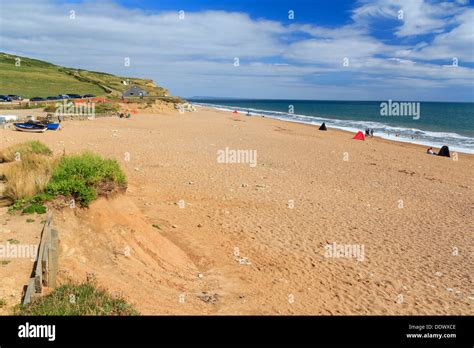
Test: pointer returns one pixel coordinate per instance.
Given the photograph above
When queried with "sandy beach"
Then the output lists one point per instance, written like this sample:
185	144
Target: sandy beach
255	237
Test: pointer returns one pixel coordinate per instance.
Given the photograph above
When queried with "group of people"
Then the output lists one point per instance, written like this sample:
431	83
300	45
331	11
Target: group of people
369	131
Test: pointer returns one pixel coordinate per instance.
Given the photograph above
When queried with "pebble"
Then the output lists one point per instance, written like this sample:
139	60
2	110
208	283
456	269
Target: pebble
199	225
174	226
200	275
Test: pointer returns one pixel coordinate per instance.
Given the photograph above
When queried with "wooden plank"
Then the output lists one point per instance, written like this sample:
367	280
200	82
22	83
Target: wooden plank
30	290
38	272
45	264
53	258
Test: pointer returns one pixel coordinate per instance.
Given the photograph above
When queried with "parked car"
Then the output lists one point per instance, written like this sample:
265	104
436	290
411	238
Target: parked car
88	96
5	98
35	99
52	98
74	96
15	97
63	96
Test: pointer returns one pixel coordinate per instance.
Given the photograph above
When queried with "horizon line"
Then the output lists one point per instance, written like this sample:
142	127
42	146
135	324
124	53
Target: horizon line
331	100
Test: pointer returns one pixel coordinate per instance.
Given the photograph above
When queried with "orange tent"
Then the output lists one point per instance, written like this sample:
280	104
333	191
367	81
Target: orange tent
359	136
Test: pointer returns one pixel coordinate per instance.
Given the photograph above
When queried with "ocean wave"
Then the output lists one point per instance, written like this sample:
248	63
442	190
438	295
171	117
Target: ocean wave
456	142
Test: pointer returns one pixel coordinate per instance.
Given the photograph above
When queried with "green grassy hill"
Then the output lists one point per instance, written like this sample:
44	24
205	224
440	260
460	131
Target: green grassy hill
36	78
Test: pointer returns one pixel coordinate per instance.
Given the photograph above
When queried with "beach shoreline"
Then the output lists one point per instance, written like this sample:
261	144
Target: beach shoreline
241	239
389	132
392	140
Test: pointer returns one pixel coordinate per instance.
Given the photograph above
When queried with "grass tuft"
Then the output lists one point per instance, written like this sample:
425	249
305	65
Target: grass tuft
29	176
78	299
10	154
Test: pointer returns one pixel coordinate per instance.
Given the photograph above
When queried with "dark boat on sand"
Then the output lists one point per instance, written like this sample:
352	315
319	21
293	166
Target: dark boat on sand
31	127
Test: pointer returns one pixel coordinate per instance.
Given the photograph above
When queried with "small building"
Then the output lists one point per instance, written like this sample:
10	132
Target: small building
135	91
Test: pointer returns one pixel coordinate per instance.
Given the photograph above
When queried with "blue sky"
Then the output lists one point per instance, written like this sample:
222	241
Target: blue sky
335	12
339	49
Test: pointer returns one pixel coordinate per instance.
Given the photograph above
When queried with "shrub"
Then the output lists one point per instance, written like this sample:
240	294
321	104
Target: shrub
85	176
106	108
50	108
34	208
88	300
26	148
32	205
37	177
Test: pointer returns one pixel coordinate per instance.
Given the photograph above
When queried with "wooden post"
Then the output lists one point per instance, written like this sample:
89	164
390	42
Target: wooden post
46	268
44	263
45	237
53	258
30	290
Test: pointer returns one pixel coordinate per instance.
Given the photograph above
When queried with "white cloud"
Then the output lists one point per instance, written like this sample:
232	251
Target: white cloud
457	43
195	55
418	17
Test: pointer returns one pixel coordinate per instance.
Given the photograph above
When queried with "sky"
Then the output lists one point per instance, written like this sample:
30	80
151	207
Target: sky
420	50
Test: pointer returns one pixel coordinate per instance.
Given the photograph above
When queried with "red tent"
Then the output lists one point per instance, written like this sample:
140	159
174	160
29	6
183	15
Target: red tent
359	136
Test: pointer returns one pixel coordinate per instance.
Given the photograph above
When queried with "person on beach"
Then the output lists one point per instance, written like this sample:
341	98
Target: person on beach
371	132
430	151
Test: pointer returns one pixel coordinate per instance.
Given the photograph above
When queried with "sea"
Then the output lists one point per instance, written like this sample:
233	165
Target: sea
435	124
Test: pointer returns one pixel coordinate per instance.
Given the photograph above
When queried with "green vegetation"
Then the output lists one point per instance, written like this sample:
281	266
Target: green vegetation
106	108
24	149
156	226
13	241
36	78
50	108
38	177
4	263
78	299
3	303
37	208
32	205
30	220
85	176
